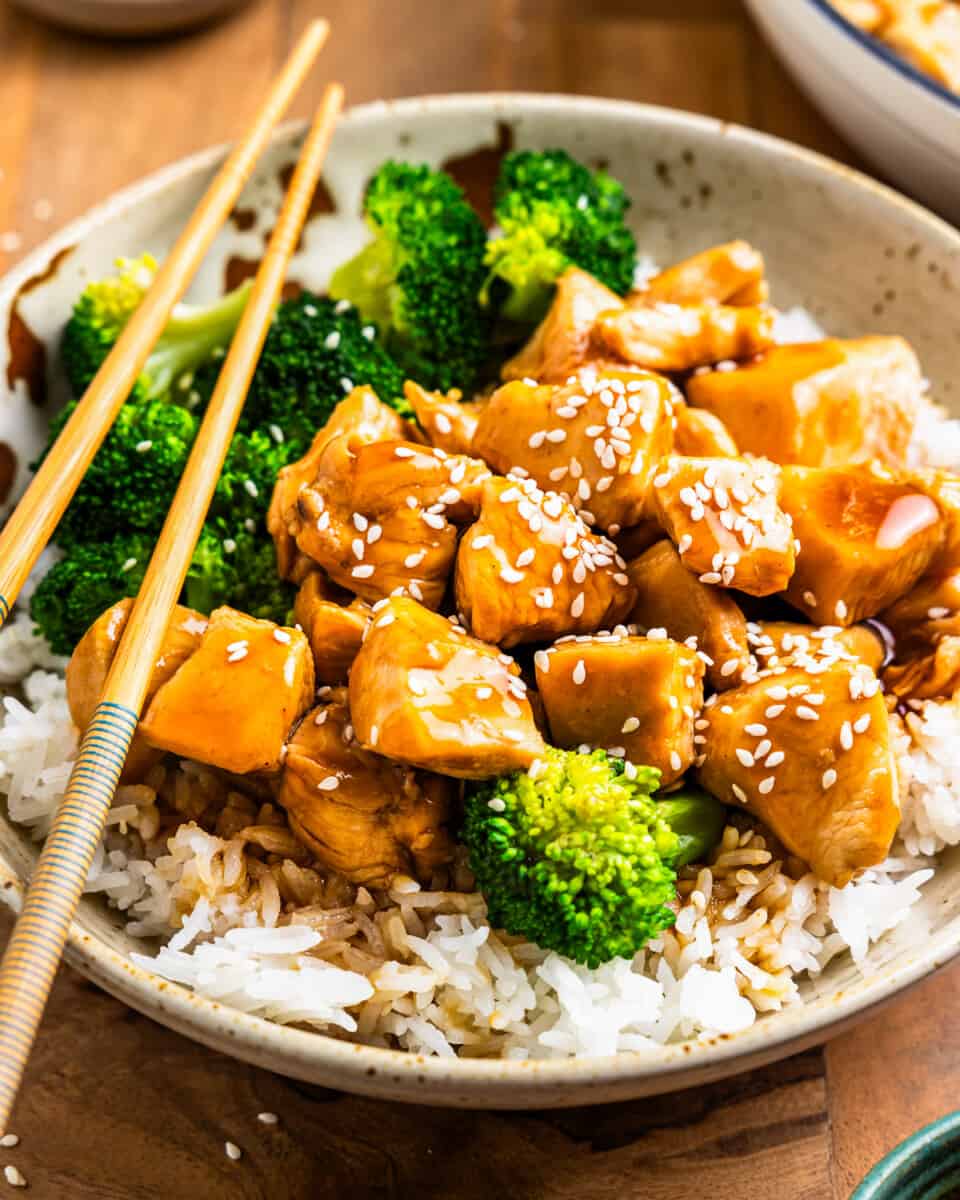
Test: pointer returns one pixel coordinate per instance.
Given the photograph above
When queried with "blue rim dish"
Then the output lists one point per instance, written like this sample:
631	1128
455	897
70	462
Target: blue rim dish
890	57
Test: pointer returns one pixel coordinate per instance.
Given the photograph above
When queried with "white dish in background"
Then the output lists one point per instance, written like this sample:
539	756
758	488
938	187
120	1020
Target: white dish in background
899	118
128	18
859	257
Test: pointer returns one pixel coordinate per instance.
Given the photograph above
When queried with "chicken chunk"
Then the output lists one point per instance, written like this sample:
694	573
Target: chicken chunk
865	538
943	487
360	814
638	539
928	35
809	753
672	598
334	624
562	342
725	518
700	434
729	274
928	612
233	702
635	696
359	419
93	657
823	404
530	570
424	692
382	516
597	440
934	675
448	421
783	643
675	337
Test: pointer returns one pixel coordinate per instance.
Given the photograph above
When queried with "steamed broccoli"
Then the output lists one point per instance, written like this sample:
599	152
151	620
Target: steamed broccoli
193	333
420	277
87	581
240	571
315	352
553	212
578	858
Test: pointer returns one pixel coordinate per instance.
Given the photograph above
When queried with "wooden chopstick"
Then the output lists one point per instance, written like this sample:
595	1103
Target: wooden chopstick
35	518
33	953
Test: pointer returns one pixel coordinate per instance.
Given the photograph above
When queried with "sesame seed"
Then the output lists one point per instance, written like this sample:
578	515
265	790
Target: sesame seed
745	757
526	557
403	452
763	748
739	793
282	636
766	786
810	599
230	545
363	572
711	577
128	564
630	725
862	724
774	759
13	1176
359	547
778	692
576	608
541	661
846	736
543	598
144	446
509	575
331	783
807	714
9	1140
676	762
434	520
268	1118
579	672
756	730
840	611
774	711
233	1151
321	717
828	779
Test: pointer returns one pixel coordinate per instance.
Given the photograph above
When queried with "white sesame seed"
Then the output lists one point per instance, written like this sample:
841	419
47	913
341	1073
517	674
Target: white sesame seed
363	572
331	783
766	786
778	692
840	610
756	730
403	452
332	340
807	714
9	1140
676	762
711	577
846	736
268	1118
233	1151
762	749
577	606
774	711
745	757
509	575
526	557
774	759
144	446
809	599
862	724
541	661
738	791
230	545
630	725
828	779
282	636
128	564
579	672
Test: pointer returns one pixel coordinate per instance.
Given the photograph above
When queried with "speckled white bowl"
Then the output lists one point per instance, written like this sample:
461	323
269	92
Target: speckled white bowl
860	257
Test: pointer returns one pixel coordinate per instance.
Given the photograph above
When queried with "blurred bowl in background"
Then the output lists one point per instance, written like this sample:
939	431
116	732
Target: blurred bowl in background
902	120
924	1167
128	18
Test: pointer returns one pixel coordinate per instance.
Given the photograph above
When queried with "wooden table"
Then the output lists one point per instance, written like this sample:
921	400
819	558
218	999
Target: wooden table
114	1105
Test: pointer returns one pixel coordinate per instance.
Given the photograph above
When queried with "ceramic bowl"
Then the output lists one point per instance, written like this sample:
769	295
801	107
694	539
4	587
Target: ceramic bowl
924	1167
899	118
128	18
860	257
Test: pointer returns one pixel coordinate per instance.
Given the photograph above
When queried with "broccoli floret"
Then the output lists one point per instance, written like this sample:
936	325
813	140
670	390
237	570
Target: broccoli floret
577	858
420	277
192	333
553	212
316	351
87	581
240	571
131	481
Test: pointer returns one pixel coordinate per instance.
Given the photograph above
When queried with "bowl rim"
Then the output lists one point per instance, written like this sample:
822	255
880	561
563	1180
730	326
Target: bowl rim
494	1083
886	54
887	1177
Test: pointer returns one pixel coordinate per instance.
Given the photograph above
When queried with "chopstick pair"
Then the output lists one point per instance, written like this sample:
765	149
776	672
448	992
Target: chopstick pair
33	953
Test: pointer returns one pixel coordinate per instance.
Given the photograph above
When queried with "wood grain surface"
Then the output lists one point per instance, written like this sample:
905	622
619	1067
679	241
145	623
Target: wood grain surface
117	1107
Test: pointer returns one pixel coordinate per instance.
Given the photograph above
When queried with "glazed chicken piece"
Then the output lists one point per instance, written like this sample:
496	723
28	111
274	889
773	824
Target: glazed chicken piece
934	675
808	752
360	814
447	420
869	15
725	518
635	696
359	419
206	711
679	337
700	434
729	274
672	598
823	404
530	570
865	539
597	440
943	487
928	612
927	34
93	657
637	539
378	516
334	624
562	342
424	692
783	643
